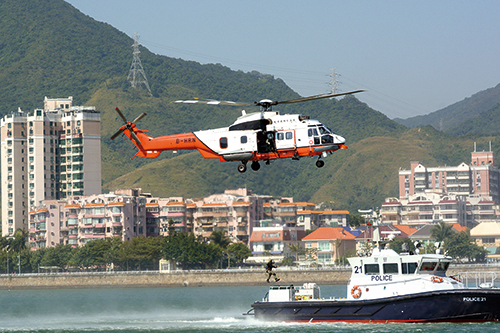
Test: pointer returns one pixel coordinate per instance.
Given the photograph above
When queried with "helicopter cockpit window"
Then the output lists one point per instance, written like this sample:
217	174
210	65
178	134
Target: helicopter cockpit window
223	143
327	138
244	139
324	130
289	135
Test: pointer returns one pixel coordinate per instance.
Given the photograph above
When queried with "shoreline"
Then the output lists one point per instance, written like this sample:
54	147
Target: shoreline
195	278
234	277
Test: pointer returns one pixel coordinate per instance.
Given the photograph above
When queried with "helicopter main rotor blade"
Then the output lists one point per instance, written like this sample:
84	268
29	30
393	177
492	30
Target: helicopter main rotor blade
211	102
135	137
311	98
121	115
142	115
120	131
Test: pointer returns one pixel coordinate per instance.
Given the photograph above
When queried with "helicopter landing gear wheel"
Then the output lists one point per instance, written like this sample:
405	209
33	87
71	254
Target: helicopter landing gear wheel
255	166
242	167
320	163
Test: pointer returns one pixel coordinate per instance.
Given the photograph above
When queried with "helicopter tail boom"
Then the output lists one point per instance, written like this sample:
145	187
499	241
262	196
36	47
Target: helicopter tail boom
151	147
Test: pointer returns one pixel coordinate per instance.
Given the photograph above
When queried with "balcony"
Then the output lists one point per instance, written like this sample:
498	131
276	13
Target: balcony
213	214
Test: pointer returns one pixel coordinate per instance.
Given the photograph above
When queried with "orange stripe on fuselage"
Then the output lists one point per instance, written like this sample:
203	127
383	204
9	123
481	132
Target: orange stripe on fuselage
289	153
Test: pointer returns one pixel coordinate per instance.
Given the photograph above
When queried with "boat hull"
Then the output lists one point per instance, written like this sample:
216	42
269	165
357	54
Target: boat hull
464	305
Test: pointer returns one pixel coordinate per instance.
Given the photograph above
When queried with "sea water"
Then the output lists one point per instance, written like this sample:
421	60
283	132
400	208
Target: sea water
187	309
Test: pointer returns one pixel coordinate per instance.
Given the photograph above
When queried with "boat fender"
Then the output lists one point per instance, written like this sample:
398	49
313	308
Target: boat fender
455	278
356	292
436	279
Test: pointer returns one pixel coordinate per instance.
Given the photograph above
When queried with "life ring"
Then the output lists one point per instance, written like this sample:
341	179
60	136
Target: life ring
311	142
356	292
436	279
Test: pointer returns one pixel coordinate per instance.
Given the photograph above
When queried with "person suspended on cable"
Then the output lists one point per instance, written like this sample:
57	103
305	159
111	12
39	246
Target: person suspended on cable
269	270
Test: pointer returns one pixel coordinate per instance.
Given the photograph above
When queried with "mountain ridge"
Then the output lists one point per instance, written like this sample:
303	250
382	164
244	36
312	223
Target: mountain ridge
458	112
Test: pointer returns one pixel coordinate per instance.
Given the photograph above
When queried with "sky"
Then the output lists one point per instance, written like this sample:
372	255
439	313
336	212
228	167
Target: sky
411	57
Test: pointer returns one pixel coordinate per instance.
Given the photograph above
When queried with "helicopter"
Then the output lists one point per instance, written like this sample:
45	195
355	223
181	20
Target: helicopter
254	137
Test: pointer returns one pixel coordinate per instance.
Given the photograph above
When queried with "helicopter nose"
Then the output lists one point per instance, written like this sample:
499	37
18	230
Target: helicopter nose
338	139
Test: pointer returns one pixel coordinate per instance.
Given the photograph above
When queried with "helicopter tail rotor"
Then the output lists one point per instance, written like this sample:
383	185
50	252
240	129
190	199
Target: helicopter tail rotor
128	126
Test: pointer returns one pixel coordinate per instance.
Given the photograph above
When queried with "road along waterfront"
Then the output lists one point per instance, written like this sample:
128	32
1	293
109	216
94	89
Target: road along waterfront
195	278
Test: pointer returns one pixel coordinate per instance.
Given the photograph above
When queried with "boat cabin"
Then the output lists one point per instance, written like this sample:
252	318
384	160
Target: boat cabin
387	273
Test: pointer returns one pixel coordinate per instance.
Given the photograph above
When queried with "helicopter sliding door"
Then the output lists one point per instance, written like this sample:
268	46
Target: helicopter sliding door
285	139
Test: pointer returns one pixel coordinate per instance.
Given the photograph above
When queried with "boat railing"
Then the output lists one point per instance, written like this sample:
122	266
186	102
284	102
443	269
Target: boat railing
477	279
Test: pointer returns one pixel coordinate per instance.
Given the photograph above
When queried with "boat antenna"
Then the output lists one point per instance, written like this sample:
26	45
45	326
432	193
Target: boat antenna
373	218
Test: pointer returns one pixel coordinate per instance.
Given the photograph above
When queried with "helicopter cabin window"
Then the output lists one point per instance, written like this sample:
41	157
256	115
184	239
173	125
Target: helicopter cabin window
391	268
372	269
280	136
312	132
244	139
408	267
223	143
289	135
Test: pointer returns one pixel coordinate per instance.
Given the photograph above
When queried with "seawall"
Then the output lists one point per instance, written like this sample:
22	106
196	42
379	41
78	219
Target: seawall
196	278
169	279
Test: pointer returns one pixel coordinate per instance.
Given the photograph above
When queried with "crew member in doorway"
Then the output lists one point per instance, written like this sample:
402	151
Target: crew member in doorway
269	270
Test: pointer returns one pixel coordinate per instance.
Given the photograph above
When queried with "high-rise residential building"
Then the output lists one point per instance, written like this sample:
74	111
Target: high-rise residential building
47	154
466	194
479	178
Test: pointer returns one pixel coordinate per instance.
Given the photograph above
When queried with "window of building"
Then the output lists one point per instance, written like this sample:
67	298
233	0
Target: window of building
324	246
488	240
325	257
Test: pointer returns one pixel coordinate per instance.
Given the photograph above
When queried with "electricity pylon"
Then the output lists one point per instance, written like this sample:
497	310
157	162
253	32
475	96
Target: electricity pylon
136	75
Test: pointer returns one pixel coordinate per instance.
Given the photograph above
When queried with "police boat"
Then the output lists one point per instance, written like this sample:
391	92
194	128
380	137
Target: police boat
387	286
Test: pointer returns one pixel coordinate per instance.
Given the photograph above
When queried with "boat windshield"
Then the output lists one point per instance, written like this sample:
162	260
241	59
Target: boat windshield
428	266
442	266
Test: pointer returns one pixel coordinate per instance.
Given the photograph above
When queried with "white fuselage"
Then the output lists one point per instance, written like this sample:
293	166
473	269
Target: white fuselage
290	131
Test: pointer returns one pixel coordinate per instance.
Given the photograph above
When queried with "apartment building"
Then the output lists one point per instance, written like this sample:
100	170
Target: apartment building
271	240
78	220
47	154
480	178
303	214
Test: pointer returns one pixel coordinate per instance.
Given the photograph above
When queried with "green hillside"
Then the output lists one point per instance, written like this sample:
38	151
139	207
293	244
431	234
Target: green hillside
459	112
486	123
48	48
